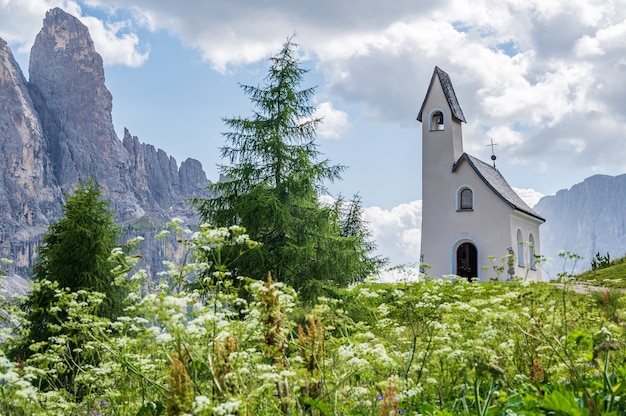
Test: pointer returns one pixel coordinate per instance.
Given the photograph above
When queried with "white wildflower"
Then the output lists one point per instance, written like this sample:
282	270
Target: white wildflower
201	404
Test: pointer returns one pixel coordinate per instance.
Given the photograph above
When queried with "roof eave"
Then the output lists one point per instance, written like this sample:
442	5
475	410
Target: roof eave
453	103
465	157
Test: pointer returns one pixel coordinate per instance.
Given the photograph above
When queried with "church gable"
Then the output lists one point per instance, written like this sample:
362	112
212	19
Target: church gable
448	90
496	182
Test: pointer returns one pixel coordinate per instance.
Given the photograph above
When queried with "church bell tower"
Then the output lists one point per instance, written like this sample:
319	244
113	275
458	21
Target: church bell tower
442	145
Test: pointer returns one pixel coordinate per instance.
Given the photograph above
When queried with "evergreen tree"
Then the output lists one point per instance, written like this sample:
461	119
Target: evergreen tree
353	226
75	255
273	180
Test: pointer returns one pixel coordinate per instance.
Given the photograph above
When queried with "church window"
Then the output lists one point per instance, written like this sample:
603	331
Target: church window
467	199
437	121
531	252
520	249
464	198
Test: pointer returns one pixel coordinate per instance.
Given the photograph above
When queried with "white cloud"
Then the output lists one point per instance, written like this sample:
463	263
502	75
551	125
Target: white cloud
114	43
608	39
533	74
221	31
334	122
326	200
588	46
397	232
557	93
530	196
399	274
20	21
575	144
397	235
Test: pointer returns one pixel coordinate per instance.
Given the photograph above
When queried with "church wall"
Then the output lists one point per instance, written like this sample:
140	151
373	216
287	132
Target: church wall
489	220
487	226
527	225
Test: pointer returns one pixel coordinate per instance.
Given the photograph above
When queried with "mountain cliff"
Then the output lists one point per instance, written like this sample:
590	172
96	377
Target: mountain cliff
588	218
56	129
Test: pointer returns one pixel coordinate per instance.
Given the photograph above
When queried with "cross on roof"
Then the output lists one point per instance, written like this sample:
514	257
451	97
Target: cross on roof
493	155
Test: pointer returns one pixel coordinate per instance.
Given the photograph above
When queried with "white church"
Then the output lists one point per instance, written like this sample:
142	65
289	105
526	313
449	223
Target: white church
469	211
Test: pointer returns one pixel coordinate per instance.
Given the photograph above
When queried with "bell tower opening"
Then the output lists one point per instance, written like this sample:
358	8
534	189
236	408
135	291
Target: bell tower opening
437	121
467	261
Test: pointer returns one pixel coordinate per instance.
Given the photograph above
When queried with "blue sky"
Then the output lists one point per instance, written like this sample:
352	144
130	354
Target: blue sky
544	80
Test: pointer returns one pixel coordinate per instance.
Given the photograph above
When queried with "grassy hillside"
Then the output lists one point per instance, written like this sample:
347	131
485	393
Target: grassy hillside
613	276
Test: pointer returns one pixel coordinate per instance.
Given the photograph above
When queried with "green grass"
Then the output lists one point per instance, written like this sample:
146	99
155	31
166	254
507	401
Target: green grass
613	276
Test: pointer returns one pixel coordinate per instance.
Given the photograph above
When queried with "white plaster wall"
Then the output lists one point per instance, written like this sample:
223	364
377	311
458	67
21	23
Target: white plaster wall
487	226
527	225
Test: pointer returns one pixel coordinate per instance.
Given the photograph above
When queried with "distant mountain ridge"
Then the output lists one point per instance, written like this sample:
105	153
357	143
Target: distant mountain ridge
56	129
588	218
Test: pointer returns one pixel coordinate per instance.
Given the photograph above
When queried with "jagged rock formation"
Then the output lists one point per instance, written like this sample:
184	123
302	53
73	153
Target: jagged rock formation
588	218
28	196
56	129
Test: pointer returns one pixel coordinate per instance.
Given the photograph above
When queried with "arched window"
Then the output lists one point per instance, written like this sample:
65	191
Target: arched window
466	199
520	249
437	121
531	252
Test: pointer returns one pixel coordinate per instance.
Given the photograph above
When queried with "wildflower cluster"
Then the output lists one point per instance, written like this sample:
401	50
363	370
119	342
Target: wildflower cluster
205	341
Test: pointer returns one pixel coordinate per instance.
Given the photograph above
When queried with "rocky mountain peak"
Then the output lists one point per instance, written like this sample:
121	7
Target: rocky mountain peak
64	60
57	130
68	90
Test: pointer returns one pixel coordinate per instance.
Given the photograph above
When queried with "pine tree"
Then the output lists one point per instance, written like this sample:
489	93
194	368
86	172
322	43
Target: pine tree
75	255
273	181
353	226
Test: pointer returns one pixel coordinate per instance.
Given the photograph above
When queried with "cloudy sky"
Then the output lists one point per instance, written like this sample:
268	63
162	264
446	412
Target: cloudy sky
546	80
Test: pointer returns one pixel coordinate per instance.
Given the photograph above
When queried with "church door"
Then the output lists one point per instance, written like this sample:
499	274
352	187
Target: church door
467	261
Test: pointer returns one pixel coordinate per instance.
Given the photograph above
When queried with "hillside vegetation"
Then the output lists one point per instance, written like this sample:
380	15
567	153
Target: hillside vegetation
196	344
612	275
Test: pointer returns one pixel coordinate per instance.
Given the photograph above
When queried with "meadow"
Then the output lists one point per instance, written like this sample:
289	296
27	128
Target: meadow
210	343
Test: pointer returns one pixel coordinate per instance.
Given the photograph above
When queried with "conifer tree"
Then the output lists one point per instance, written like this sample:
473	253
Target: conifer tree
75	255
273	180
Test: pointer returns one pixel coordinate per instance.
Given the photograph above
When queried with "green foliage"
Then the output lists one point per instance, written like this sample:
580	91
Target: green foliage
273	180
600	261
563	402
433	348
612	276
73	260
76	250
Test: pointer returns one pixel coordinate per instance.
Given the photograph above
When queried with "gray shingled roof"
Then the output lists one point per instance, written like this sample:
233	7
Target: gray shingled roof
448	90
494	180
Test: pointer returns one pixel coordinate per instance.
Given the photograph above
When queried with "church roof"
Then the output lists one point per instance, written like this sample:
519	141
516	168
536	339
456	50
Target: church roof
448	90
494	180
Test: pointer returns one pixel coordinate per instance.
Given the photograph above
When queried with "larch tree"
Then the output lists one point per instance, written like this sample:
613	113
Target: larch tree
273	179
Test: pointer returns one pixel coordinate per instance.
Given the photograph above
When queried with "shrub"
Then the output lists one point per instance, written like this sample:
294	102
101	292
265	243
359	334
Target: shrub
600	262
